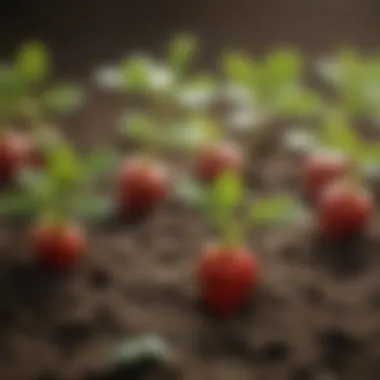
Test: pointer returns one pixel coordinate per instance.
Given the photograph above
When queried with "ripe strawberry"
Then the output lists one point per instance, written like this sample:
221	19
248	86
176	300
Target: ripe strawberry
343	210
14	150
141	186
215	159
226	276
58	247
322	168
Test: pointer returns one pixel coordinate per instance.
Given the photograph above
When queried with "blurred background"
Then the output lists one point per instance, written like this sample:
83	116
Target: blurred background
85	33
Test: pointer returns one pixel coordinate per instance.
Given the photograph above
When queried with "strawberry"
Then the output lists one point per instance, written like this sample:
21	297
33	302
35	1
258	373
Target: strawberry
226	276
14	150
58	247
343	210
141	186
320	169
215	159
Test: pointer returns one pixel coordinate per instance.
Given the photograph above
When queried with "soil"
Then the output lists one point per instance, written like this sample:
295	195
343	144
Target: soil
315	315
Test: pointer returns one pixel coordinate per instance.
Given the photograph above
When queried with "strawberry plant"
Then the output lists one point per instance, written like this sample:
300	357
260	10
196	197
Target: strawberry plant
227	269
175	118
26	98
175	100
60	199
266	90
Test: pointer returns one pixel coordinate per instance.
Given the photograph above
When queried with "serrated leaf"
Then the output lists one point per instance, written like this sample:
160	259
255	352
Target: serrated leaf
63	98
110	78
240	68
181	52
93	208
272	210
33	61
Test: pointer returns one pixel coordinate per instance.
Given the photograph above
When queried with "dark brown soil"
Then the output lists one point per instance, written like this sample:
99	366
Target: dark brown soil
316	312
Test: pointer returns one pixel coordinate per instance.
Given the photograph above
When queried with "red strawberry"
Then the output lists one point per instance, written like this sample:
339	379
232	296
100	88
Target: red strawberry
142	185
215	159
14	149
226	276
322	168
58	247
343	210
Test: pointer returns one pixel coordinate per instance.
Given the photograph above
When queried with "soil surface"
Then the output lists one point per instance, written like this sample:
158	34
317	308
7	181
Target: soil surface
316	314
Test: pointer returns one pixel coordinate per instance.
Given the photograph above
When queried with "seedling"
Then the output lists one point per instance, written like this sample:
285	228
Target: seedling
227	269
58	198
338	151
263	91
175	118
175	115
26	97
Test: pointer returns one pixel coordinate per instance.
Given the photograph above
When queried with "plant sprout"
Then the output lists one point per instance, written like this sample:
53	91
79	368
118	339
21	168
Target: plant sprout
269	89
177	101
25	90
63	190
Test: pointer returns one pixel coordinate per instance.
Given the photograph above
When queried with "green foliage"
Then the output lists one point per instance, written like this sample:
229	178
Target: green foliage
224	197
192	134
135	352
181	53
33	62
241	69
336	134
275	209
137	126
63	98
61	188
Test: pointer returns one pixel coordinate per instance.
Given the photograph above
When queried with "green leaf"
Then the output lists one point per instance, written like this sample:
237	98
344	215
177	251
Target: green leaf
137	73
370	155
63	167
93	208
136	352
338	135
18	205
272	210
298	102
110	78
240	68
63	98
33	62
181	52
137	126
225	195
191	192
99	162
199	93
283	67
192	134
